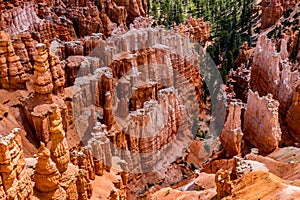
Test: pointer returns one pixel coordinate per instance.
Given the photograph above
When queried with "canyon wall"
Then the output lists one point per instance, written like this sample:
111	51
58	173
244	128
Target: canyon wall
273	11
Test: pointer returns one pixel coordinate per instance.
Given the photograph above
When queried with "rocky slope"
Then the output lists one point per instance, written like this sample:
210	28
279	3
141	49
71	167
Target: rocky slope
108	107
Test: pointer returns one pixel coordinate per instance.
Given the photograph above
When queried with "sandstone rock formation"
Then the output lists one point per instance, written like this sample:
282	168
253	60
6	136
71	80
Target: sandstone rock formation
292	117
18	19
100	147
243	167
232	132
46	177
15	180
169	193
149	97
59	147
134	9
240	80
61	156
282	162
279	76
244	56
58	73
224	184
12	71
271	14
30	45
39	107
43	30
42	82
83	185
197	28
21	51
263	185
261	122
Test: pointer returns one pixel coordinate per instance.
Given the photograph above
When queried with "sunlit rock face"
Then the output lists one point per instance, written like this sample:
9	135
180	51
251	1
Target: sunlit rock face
15	179
145	96
261	122
48	86
279	75
13	76
18	19
231	136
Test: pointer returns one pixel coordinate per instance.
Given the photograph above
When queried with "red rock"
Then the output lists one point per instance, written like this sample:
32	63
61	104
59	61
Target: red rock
18	19
224	184
21	51
134	9
46	177
231	136
30	45
271	14
12	73
59	147
197	28
44	30
293	114
263	184
15	179
261	121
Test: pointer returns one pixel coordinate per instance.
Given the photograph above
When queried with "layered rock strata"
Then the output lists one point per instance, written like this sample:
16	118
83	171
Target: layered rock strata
21	51
18	19
279	74
47	176
232	135
12	74
293	113
197	28
15	179
272	10
139	79
261	122
48	79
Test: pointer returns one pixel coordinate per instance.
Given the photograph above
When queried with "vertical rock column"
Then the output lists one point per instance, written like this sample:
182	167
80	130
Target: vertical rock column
4	82
108	116
59	148
61	156
261	122
58	74
232	134
42	80
12	74
293	115
30	46
100	147
15	182
21	51
47	176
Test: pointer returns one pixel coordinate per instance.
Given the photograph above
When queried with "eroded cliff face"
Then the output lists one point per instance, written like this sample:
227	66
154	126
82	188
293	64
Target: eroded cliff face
15	179
134	97
48	87
279	74
16	20
139	80
261	121
197	28
231	136
272	10
13	76
292	117
67	20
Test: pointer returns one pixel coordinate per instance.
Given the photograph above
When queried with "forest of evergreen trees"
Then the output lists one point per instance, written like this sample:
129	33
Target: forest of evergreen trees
230	20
